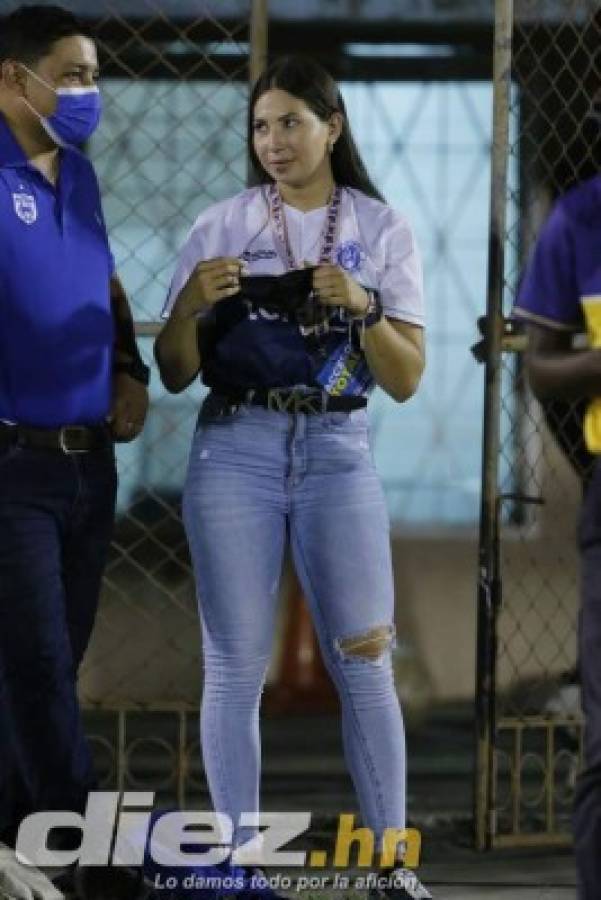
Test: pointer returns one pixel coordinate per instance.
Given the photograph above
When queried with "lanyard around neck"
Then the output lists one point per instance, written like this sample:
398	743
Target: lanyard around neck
278	219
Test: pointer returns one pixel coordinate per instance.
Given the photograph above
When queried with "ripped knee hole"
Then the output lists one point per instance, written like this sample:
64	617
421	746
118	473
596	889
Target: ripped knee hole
371	645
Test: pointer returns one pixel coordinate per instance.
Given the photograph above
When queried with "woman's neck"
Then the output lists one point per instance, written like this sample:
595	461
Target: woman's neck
309	196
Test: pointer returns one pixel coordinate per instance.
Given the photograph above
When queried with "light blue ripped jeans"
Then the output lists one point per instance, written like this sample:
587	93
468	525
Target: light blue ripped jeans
255	479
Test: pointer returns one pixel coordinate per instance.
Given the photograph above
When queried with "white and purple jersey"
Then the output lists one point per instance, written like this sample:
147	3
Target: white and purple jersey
565	268
374	244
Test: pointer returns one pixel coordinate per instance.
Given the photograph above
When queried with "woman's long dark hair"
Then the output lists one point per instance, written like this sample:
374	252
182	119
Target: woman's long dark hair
305	79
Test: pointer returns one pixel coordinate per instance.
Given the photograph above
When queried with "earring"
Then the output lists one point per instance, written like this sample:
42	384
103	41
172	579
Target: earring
331	146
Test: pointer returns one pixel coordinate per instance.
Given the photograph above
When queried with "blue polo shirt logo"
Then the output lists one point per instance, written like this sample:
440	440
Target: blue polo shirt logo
25	208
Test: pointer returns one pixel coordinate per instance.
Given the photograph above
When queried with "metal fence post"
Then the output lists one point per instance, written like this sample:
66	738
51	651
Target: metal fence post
488	580
259	31
259	22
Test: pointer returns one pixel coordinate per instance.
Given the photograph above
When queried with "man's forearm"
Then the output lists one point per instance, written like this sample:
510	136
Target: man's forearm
569	376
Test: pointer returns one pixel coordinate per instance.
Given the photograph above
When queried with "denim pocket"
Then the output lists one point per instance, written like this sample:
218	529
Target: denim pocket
354	420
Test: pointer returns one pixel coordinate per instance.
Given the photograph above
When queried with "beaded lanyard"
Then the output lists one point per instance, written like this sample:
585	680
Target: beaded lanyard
276	210
279	223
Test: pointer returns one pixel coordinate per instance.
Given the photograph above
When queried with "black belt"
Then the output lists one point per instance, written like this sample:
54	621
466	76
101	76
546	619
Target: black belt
69	438
290	400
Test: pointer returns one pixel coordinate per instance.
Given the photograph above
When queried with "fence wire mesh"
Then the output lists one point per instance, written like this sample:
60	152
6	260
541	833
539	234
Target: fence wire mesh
554	143
172	142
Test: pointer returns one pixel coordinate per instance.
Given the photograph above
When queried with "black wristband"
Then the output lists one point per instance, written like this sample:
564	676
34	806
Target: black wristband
374	311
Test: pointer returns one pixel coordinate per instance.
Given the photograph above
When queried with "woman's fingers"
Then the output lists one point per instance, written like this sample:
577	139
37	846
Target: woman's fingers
227	291
227	263
219	277
329	283
225	280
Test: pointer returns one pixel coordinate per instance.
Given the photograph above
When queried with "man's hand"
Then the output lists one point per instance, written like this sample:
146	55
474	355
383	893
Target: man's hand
130	405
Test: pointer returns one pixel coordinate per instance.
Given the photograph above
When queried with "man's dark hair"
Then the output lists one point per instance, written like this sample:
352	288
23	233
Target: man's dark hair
29	32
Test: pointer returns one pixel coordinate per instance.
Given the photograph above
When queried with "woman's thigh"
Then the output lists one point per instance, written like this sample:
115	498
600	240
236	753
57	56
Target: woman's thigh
235	519
340	533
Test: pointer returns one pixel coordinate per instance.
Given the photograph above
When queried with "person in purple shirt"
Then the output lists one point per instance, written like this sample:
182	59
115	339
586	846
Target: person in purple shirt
71	383
561	285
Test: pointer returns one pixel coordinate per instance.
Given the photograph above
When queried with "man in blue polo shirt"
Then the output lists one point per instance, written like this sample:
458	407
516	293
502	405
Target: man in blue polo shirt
560	289
71	382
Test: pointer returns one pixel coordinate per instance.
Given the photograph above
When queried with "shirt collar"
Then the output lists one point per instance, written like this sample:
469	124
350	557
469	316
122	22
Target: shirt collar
13	156
348	229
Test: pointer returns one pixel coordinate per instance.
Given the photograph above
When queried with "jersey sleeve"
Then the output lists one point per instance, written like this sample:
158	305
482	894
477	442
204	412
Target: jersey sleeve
208	238
401	284
548	293
190	255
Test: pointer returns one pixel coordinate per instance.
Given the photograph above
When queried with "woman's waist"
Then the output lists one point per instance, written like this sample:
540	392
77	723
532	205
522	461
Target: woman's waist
278	409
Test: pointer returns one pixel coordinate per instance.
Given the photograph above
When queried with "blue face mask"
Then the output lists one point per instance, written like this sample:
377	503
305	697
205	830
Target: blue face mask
76	116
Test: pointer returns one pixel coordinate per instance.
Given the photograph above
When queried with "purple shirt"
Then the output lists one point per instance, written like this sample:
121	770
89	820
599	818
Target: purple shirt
565	266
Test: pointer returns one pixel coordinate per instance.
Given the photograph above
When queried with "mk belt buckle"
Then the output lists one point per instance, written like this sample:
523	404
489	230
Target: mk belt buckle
63	438
296	401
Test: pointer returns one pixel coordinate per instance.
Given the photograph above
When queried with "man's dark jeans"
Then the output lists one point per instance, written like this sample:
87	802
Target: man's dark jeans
587	816
56	521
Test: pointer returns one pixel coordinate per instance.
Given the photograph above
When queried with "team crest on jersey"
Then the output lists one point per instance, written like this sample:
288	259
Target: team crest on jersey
349	256
25	208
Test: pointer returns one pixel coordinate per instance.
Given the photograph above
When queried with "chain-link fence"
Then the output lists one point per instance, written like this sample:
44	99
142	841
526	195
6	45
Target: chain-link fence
548	138
175	80
173	141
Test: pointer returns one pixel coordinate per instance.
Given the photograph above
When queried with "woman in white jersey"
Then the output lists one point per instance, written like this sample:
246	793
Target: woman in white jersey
282	448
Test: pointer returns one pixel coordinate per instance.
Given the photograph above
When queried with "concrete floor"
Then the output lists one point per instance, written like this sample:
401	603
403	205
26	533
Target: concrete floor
303	770
547	875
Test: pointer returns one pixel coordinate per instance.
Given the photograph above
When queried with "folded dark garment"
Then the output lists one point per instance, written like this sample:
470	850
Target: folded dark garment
290	294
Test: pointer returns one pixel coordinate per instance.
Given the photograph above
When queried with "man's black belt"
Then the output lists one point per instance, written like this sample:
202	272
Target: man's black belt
290	400
68	439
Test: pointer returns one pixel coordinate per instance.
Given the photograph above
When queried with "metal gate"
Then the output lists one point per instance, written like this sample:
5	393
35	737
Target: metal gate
547	136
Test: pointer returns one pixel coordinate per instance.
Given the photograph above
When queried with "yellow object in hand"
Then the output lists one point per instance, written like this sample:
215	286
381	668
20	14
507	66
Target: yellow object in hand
592	417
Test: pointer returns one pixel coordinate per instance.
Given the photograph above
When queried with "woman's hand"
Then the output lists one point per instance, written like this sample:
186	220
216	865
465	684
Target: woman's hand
176	348
210	281
335	287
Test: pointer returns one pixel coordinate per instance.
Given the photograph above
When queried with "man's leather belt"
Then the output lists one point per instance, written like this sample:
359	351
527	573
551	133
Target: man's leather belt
290	400
69	439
